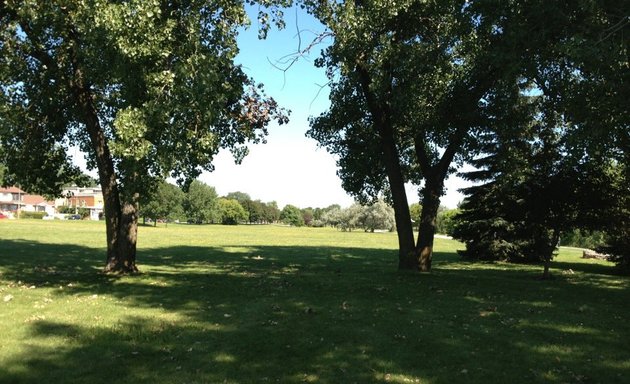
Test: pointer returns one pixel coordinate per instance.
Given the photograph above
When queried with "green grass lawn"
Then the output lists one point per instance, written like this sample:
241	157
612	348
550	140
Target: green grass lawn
256	304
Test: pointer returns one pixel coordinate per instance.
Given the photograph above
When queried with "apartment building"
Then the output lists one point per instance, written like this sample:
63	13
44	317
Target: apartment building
83	197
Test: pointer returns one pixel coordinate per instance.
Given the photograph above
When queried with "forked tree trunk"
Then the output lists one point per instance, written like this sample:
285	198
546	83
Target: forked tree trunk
404	227
382	120
430	204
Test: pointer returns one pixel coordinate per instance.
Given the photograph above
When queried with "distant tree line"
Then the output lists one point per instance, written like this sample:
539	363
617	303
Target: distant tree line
201	204
376	216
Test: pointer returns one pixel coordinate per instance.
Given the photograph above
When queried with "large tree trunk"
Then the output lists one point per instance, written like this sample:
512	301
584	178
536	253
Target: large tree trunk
121	221
124	260
434	175
430	205
404	227
404	230
546	264
121	224
382	120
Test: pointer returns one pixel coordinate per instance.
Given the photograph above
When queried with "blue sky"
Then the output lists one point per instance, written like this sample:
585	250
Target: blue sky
290	168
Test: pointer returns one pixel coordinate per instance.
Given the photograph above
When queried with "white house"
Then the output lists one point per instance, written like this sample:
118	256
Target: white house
13	199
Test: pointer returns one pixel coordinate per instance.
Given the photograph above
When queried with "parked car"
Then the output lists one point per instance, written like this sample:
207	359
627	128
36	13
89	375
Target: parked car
3	216
74	217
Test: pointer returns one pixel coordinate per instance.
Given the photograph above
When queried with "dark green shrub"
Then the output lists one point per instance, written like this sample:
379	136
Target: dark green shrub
84	212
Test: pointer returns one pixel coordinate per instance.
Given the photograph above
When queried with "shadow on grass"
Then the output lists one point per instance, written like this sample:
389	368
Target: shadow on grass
311	314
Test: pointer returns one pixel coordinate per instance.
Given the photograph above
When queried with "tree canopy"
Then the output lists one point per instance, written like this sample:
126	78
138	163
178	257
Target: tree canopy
230	211
164	203
200	204
292	215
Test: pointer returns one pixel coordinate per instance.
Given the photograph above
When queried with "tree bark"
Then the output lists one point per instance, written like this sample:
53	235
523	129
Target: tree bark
125	257
404	227
430	205
548	253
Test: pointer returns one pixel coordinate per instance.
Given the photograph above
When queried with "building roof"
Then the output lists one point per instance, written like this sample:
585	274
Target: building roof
27	198
11	190
36	200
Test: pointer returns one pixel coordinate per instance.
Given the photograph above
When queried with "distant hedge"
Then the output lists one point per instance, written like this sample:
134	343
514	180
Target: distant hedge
32	215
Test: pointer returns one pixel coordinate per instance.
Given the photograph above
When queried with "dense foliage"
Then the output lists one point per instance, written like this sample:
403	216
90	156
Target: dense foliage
200	203
291	215
230	211
553	160
517	213
165	203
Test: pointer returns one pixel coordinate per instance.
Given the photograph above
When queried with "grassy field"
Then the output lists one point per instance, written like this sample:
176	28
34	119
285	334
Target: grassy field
257	304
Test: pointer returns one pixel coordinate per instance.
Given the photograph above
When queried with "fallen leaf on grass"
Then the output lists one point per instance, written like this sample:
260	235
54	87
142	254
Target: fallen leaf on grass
487	312
35	318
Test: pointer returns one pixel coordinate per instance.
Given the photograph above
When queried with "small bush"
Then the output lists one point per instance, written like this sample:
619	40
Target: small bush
84	212
32	215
